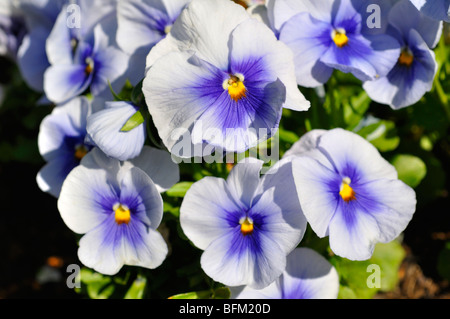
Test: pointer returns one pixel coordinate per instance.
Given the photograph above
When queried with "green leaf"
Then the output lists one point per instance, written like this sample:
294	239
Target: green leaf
220	293
127	89
382	134
346	292
179	190
98	286
287	136
354	109
354	276
134	121
168	208
389	257
205	294
137	288
411	169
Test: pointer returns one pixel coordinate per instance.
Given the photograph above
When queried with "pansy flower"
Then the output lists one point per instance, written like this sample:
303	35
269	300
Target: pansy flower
118	208
105	131
61	143
142	24
435	9
220	70
326	35
350	193
308	275
413	74
246	224
84	58
40	17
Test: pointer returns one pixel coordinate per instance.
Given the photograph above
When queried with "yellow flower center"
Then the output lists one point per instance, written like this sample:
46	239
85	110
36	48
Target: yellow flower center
339	37
406	58
246	226
235	86
89	66
347	193
122	214
80	151
167	28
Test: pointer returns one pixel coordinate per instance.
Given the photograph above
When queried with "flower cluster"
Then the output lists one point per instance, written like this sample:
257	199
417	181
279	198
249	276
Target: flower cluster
392	56
224	74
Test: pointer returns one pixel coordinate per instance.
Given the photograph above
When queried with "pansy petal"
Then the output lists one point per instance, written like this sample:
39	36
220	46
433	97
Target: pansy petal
385	53
110	246
281	11
278	58
397	204
286	234
314	183
198	25
243	180
210	195
64	81
308	45
375	13
280	180
347	149
175	105
306	143
63	129
404	17
437	9
58	45
159	166
111	65
104	128
383	91
53	130
138	25
153	252
238	126
52	175
404	86
309	275
174	7
245	292
235	260
96	253
352	58
138	190
80	201
353	231
167	45
32	59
